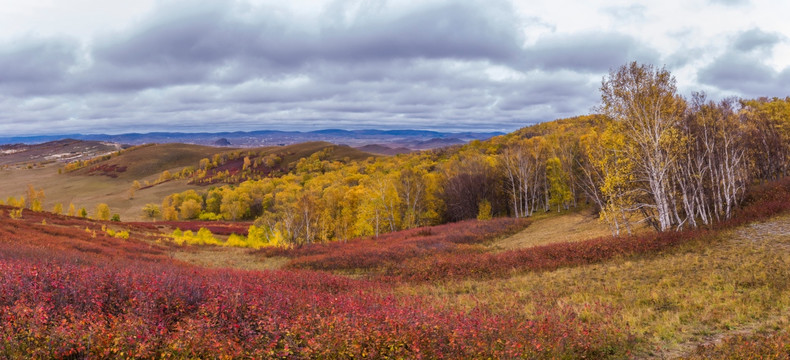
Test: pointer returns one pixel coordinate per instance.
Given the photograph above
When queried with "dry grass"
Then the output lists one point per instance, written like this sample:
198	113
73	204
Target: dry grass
671	301
235	258
146	161
551	228
87	191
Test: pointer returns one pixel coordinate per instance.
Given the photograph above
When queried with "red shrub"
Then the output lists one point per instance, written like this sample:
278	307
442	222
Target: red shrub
55	308
389	250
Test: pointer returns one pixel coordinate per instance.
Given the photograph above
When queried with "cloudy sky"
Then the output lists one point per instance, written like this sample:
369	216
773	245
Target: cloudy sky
96	66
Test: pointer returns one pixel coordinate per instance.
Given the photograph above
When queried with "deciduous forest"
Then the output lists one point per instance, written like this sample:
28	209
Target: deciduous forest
651	157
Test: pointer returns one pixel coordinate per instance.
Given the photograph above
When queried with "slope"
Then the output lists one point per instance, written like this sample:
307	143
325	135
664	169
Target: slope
147	161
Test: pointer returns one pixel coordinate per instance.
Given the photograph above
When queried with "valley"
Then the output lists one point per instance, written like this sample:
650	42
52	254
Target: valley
560	240
684	299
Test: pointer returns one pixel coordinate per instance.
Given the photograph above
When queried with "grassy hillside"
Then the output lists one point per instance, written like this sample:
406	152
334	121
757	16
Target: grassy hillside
433	292
149	161
108	181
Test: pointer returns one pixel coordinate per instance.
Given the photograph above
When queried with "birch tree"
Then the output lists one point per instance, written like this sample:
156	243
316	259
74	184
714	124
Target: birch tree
645	100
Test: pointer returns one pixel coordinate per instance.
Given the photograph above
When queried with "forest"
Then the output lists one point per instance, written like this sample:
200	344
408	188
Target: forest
649	157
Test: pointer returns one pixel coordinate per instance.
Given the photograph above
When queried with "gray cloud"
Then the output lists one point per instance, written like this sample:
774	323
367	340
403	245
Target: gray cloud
745	75
35	65
742	68
756	39
591	52
232	65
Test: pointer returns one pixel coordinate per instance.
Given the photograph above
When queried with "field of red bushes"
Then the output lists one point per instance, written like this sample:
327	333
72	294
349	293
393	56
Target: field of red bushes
69	290
391	249
446	252
66	294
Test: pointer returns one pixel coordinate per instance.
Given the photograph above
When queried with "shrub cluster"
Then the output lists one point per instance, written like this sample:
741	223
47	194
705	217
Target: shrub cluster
56	308
438	253
389	250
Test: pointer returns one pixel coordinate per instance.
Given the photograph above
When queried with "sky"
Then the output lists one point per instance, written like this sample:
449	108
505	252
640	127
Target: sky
97	66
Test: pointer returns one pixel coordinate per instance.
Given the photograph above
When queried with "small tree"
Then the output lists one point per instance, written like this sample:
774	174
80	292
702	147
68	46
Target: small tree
58	209
135	186
151	211
36	205
190	209
484	210
83	213
166	176
559	190
103	212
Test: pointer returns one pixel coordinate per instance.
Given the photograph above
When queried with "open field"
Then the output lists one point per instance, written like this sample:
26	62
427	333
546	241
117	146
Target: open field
573	226
87	191
150	161
713	293
671	301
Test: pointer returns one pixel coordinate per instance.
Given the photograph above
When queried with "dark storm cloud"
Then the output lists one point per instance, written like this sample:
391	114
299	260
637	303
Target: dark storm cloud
742	68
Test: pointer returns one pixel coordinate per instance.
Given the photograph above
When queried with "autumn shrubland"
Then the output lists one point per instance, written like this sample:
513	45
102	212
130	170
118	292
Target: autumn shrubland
61	298
70	289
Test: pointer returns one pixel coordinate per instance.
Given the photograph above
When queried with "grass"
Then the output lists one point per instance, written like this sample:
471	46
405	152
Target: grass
150	161
569	226
768	343
235	258
670	301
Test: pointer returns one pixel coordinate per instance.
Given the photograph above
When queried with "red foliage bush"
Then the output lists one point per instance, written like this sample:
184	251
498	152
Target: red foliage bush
52	307
435	253
539	258
389	250
63	233
763	346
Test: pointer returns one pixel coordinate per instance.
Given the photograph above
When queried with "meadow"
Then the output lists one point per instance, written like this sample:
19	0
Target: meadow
69	289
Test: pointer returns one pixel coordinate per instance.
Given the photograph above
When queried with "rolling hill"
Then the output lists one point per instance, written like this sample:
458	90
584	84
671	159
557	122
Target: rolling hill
65	150
707	294
109	176
146	161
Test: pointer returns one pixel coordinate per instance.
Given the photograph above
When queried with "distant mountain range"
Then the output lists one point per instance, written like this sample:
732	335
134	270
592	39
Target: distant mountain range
395	139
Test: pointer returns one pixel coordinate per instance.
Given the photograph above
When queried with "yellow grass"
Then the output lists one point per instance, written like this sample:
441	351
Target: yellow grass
87	191
573	226
671	301
236	258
